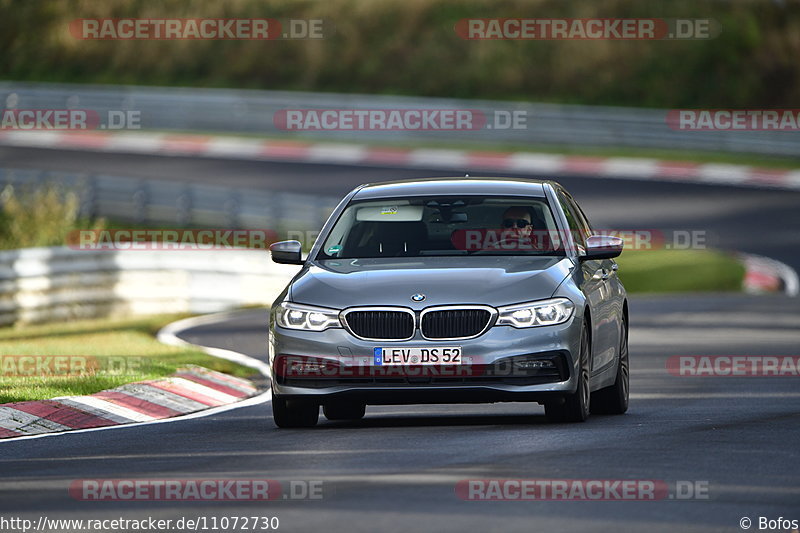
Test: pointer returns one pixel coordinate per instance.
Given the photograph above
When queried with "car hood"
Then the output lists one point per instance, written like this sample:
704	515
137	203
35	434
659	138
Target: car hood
491	280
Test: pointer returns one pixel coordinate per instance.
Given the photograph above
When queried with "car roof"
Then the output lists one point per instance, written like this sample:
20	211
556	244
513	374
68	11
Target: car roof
449	186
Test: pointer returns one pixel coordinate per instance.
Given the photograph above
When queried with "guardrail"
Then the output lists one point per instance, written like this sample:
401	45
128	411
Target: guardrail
60	283
183	204
248	111
48	284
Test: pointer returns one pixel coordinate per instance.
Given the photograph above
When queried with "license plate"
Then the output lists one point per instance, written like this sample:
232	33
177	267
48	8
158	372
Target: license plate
439	355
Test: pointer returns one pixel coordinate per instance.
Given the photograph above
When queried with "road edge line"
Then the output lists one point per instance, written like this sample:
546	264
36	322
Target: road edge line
169	335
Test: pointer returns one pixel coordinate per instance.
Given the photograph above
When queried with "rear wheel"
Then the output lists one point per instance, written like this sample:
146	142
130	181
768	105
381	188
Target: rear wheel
575	406
613	400
294	413
344	410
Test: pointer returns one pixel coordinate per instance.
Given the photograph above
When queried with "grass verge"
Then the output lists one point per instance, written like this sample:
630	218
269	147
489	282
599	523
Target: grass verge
121	351
661	271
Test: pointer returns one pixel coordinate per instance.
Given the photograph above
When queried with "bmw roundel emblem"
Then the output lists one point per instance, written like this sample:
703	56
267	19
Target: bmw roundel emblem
418	297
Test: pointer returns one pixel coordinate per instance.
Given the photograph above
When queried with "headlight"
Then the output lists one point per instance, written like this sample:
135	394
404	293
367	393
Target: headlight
532	314
306	317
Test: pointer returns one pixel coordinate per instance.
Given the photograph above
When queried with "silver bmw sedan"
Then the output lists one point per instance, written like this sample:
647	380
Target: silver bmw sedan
451	290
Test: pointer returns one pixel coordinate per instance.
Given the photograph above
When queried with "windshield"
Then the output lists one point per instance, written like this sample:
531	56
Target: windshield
438	226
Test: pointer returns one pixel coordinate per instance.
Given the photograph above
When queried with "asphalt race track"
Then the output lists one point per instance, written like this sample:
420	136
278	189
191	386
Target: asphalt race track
734	441
397	469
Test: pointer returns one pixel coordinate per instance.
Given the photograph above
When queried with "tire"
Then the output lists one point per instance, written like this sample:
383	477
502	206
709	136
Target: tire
575	406
294	413
344	410
613	400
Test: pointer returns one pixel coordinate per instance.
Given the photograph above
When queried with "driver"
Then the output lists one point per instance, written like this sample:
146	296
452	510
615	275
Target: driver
517	226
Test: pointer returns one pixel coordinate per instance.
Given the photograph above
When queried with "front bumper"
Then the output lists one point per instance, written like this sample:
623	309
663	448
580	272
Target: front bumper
485	375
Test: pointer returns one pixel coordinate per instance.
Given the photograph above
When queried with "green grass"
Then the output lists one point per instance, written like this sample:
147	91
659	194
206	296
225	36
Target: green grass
126	350
661	271
410	47
40	215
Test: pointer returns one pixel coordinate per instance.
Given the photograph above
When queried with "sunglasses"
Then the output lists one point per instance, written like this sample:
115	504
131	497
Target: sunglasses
520	223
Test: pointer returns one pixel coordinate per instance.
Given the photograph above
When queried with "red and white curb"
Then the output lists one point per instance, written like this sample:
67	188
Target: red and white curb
190	393
228	147
765	275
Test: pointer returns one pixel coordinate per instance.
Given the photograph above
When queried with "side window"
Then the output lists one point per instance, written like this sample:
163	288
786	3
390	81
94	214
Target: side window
576	223
582	217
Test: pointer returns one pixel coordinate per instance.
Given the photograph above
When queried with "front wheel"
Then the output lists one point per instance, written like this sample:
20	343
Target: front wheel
294	413
575	406
613	400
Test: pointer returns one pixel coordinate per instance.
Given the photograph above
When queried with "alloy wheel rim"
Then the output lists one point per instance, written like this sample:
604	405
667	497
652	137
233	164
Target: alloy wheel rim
586	396
623	361
585	388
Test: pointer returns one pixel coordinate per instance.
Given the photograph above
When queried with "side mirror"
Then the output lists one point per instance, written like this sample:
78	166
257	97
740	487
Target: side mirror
287	252
602	247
